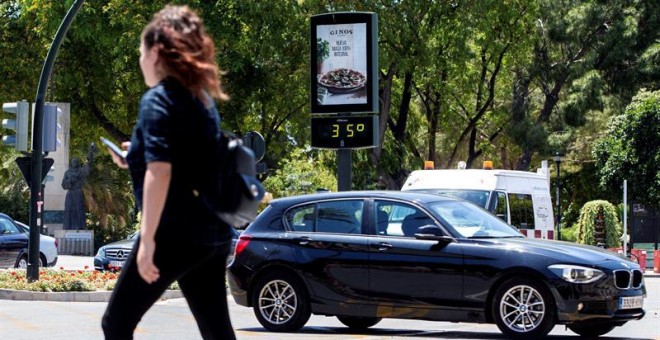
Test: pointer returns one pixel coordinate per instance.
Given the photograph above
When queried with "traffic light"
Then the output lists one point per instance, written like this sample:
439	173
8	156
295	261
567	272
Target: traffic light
19	125
50	127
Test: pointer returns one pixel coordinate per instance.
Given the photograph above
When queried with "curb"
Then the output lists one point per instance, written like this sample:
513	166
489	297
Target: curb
98	296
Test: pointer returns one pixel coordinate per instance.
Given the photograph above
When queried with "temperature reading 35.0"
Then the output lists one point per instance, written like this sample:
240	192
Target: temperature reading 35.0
350	129
344	132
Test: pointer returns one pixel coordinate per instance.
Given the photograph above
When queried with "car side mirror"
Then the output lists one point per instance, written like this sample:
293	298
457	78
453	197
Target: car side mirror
432	232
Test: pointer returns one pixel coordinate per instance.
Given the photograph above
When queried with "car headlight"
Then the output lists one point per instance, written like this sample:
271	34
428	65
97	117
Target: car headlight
101	252
576	274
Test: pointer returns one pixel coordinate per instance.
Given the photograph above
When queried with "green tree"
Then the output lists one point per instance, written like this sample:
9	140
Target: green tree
629	150
300	174
14	193
459	80
579	53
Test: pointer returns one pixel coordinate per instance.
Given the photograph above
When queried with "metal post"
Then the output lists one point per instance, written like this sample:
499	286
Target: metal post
344	160
624	237
37	140
558	162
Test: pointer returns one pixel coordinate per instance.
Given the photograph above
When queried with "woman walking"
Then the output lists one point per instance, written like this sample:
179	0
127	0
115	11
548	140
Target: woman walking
180	240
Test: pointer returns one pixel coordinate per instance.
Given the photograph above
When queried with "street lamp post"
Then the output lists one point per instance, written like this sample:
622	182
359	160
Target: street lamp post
558	160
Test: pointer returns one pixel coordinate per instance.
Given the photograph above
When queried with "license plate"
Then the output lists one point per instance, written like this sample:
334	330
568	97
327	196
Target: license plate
117	264
631	302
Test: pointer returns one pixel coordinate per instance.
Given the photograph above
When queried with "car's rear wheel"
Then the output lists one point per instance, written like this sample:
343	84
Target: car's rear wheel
357	322
23	262
591	329
280	302
523	309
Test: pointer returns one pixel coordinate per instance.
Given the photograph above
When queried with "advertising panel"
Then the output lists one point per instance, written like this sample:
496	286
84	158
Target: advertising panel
344	63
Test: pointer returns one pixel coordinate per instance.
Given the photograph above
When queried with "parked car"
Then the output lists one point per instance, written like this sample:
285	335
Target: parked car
13	243
113	255
47	248
364	256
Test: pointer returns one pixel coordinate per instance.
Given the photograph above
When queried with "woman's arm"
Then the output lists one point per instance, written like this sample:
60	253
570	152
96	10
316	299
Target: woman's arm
156	184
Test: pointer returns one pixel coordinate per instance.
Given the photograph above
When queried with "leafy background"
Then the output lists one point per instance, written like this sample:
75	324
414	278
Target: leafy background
514	82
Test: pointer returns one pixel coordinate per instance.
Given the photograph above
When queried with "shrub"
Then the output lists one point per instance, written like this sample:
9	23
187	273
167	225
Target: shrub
51	280
601	213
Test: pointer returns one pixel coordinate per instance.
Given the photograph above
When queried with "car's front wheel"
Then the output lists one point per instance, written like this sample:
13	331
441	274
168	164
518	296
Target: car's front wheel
23	262
591	329
280	302
523	309
358	323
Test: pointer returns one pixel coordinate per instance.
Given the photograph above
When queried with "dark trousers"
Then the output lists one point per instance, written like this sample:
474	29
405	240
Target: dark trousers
200	271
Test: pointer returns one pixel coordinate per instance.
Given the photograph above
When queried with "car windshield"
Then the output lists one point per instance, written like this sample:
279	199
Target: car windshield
24	228
471	221
478	197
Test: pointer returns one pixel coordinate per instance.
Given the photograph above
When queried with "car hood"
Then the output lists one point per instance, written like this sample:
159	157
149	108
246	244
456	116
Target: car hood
563	251
121	244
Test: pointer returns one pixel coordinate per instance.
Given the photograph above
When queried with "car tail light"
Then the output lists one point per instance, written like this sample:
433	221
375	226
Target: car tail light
242	243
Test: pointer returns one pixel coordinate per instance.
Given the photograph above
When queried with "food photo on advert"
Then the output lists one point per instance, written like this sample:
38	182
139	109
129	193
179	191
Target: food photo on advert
342	71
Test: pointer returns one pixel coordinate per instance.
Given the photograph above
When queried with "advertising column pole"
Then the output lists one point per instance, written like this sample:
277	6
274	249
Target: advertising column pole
344	85
344	175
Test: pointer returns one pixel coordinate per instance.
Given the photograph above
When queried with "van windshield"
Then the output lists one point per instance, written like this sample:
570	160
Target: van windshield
478	197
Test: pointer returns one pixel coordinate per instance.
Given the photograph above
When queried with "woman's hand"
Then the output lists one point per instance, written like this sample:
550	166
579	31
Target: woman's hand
121	162
145	261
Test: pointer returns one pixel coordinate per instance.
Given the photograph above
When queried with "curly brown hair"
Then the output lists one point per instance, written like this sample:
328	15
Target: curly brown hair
185	50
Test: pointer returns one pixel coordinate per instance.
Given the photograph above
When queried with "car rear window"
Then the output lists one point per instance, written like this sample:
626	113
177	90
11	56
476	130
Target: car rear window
338	216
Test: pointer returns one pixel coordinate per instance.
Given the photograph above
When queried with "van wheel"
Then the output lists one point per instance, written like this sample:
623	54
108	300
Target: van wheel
523	309
280	302
357	322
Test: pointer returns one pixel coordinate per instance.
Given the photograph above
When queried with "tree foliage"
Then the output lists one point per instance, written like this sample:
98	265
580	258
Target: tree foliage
300	174
629	150
510	81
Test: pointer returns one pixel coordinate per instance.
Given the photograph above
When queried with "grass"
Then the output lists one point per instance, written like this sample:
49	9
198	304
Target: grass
53	280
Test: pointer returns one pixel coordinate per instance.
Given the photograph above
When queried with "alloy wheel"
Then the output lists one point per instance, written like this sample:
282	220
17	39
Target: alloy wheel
522	308
278	302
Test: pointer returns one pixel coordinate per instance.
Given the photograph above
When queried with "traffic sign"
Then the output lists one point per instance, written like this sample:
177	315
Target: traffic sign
255	141
25	164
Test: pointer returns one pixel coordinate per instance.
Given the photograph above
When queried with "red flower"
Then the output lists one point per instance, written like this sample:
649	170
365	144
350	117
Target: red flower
86	267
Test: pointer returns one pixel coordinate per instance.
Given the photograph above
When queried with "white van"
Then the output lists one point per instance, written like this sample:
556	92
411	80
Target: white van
521	198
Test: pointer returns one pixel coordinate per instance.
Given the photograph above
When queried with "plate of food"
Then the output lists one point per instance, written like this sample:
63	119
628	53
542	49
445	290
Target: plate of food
342	80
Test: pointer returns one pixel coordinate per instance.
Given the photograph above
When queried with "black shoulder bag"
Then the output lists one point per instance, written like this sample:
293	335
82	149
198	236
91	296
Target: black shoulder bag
235	193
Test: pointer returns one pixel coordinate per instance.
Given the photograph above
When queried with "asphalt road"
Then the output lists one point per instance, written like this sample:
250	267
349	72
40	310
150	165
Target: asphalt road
171	319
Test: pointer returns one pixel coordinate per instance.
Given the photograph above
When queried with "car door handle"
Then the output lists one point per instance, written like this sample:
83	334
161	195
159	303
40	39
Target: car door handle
382	246
303	241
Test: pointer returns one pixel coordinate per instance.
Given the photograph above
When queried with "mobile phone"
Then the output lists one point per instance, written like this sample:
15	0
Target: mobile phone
114	148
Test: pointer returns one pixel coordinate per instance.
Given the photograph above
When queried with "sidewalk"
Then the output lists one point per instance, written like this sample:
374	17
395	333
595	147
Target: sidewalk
649	273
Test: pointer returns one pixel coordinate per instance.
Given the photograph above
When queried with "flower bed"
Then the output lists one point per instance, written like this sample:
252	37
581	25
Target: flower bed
52	280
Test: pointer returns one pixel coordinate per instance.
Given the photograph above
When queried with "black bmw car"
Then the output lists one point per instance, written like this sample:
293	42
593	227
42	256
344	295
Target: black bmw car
363	256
